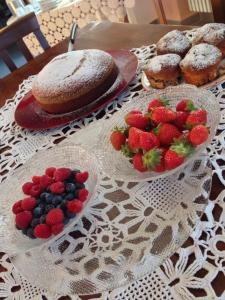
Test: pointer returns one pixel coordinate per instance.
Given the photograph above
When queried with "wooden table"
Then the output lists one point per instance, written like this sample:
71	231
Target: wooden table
103	35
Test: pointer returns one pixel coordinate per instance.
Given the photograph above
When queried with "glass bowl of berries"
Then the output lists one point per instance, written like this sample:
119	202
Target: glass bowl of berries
48	195
158	133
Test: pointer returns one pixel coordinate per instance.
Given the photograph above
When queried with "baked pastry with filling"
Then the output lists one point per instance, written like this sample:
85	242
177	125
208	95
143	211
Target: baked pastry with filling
163	70
74	79
212	33
201	63
175	42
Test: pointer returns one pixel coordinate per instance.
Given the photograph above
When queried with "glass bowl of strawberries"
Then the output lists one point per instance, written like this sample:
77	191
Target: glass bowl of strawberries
158	133
46	197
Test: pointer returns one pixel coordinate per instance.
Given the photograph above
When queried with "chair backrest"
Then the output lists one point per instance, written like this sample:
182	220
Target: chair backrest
14	33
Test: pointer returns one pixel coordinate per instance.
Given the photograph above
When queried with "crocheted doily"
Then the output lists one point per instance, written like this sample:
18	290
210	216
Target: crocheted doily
196	266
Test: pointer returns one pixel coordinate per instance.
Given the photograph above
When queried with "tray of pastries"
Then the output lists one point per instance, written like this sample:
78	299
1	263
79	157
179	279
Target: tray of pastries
179	59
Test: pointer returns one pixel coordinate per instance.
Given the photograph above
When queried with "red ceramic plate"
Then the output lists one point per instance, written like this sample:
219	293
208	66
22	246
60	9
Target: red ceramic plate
30	115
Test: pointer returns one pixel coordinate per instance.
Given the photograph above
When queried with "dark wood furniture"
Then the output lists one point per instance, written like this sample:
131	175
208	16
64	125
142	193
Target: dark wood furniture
14	33
104	35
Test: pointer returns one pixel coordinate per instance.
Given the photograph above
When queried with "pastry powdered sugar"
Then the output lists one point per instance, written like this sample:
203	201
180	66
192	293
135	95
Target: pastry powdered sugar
160	62
83	67
212	33
174	41
201	56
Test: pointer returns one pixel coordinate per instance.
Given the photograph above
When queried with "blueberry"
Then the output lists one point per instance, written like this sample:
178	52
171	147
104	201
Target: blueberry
66	221
30	233
69	196
48	198
75	195
57	199
42	219
80	185
70	179
70	215
43	196
70	187
49	207
35	222
62	205
41	205
38	211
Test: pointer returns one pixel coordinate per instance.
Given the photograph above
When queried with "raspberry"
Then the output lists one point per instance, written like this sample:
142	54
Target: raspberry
35	190
17	207
42	231
55	216
74	206
82	194
62	174
81	177
50	171
36	179
27	187
23	219
57	187
56	229
29	203
45	181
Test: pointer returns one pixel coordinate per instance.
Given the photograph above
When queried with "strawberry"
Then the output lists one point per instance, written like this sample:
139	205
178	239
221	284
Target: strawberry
148	140
138	162
180	120
117	139
185	105
134	138
152	158
17	208
42	231
23	219
167	133
177	152
137	120
173	159
157	103
197	117
162	115
198	135
161	167
55	216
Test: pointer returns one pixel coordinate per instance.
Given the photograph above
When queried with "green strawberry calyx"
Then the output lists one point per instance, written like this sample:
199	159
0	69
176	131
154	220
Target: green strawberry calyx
152	158
126	151
182	147
164	101
190	105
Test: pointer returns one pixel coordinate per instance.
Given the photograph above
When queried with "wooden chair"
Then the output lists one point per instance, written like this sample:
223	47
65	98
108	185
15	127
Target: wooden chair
14	33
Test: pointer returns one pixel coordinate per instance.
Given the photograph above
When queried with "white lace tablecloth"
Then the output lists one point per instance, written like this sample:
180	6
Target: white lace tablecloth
193	270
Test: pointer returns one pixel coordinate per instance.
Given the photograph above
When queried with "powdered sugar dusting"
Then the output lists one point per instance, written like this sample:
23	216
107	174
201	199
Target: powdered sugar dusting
82	68
160	62
212	33
201	56
174	41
